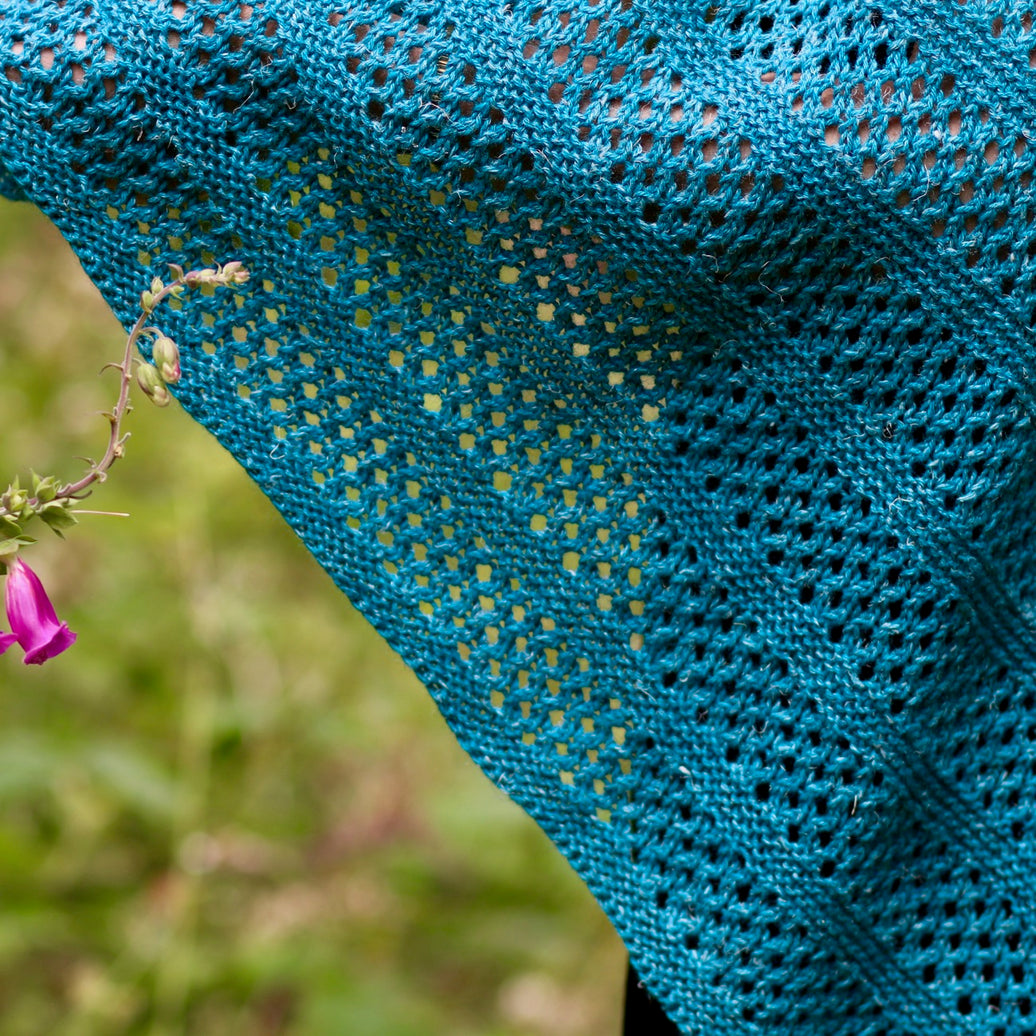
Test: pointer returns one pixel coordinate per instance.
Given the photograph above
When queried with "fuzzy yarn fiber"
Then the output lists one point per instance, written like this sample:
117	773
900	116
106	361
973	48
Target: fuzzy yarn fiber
657	377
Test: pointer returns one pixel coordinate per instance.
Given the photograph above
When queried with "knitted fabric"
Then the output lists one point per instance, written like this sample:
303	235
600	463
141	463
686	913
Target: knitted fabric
656	377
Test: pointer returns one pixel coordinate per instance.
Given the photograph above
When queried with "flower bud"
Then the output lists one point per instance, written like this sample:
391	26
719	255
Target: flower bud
234	272
14	499
152	384
166	357
195	277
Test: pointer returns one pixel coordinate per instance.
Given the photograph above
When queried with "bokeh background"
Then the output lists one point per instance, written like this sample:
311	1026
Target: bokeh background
230	808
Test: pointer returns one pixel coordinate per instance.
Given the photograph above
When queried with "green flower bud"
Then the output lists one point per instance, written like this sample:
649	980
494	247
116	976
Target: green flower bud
15	499
44	489
152	384
166	357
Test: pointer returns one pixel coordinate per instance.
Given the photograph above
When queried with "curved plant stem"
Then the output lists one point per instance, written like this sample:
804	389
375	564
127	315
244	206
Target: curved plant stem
116	440
228	275
98	470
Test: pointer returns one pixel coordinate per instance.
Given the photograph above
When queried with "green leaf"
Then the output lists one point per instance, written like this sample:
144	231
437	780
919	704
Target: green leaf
57	516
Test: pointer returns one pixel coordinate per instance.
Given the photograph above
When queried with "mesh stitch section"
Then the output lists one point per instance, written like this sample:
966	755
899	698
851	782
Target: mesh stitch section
655	377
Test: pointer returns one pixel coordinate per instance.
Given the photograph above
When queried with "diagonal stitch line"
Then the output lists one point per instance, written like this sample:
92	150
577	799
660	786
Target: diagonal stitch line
911	519
937	806
776	863
944	553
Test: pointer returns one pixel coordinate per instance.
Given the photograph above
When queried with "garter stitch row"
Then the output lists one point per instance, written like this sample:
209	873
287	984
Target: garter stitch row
657	377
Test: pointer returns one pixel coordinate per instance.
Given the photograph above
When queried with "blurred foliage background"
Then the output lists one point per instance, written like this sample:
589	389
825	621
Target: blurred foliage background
230	808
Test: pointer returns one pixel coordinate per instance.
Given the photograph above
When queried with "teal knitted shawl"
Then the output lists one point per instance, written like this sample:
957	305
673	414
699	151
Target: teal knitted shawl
656	377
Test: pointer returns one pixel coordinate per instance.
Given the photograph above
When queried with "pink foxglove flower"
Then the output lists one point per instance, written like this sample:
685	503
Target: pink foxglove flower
34	625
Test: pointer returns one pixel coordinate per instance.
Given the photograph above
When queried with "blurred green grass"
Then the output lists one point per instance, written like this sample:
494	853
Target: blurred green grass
230	808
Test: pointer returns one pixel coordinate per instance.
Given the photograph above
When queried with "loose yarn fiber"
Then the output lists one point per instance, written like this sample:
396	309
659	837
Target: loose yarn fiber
657	378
